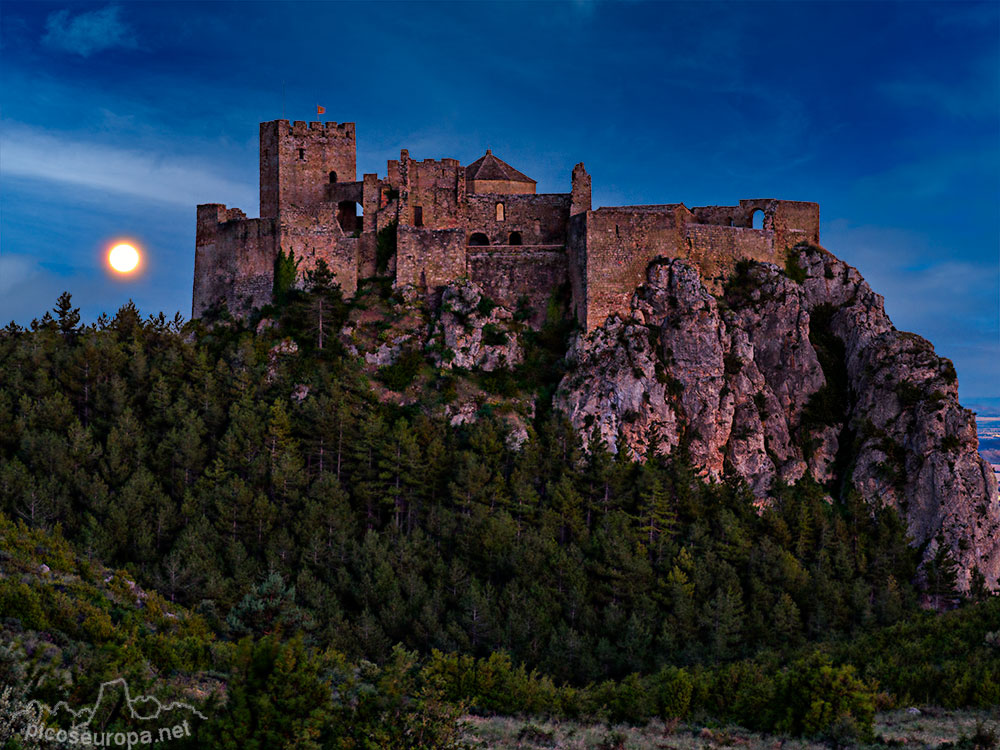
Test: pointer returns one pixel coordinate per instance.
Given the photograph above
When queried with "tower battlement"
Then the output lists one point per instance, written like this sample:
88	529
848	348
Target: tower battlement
484	221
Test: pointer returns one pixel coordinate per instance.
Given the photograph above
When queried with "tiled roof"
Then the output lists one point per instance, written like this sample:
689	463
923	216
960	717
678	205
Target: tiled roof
489	167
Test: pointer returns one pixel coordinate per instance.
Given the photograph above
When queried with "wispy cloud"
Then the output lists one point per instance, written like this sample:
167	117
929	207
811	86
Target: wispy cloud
970	92
141	174
89	32
15	271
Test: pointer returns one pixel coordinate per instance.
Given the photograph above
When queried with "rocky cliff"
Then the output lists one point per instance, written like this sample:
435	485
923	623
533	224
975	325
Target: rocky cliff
791	372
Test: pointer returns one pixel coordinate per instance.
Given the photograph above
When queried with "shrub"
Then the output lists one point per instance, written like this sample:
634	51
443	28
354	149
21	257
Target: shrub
400	374
673	689
817	699
908	394
948	371
493	336
20	601
950	443
485	306
793	270
385	247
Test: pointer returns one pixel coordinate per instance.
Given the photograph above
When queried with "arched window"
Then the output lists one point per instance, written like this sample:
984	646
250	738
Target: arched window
757	220
333	177
499	211
515	238
479	239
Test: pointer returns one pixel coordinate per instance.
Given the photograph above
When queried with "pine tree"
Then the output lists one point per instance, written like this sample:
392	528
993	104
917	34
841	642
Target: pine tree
326	304
67	316
941	573
270	608
286	272
399	466
657	518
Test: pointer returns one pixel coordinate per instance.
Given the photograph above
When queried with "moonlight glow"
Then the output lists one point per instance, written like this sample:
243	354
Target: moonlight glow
123	258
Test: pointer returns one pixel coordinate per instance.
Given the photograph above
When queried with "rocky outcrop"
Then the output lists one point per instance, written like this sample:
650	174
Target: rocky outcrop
472	332
788	373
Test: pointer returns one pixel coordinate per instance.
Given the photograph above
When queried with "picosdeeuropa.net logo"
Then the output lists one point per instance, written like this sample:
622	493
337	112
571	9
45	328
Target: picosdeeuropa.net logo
148	720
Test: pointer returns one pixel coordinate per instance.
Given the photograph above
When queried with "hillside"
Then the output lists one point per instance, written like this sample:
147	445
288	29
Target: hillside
449	504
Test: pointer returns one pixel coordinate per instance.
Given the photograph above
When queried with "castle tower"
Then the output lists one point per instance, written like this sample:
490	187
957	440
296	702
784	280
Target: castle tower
298	161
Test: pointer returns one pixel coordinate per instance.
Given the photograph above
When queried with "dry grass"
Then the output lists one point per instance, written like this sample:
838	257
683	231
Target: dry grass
931	728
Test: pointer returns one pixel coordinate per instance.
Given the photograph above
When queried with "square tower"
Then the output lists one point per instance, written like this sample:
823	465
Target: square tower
298	162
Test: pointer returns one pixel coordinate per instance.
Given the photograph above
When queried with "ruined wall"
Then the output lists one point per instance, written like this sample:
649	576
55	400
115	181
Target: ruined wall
234	260
715	250
509	275
310	202
541	219
791	221
794	222
579	190
726	216
609	256
296	161
620	243
431	257
576	262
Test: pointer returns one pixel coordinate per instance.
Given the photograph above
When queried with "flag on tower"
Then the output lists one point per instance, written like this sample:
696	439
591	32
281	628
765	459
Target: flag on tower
320	110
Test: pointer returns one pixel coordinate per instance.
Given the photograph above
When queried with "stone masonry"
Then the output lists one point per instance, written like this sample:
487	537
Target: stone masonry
484	222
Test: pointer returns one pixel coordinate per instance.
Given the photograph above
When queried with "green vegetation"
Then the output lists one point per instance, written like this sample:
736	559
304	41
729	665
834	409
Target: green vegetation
385	247
792	268
400	374
355	573
286	272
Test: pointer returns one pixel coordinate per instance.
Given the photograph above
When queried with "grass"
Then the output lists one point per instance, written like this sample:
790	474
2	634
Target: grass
930	728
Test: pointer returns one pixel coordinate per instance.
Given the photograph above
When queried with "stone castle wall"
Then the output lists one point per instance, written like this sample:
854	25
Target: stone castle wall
515	243
613	252
313	234
715	250
540	218
234	260
429	257
513	275
296	162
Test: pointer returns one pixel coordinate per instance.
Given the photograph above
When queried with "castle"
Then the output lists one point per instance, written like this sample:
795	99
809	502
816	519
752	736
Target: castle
483	221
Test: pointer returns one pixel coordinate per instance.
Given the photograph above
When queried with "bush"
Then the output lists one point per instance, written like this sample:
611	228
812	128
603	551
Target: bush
18	600
399	375
817	699
385	247
793	270
908	394
485	306
673	689
493	336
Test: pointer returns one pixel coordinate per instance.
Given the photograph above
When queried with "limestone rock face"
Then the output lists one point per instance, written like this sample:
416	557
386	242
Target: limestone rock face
779	378
473	332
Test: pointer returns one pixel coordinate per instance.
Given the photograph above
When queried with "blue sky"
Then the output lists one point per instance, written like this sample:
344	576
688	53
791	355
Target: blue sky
118	119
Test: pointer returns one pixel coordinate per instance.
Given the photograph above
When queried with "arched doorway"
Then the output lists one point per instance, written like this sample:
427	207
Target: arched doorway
479	239
757	219
515	238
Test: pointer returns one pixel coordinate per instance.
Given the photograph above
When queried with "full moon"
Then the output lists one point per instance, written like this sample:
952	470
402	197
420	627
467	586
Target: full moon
123	258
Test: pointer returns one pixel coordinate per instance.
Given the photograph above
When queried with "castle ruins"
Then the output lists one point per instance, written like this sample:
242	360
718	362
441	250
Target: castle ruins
483	221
